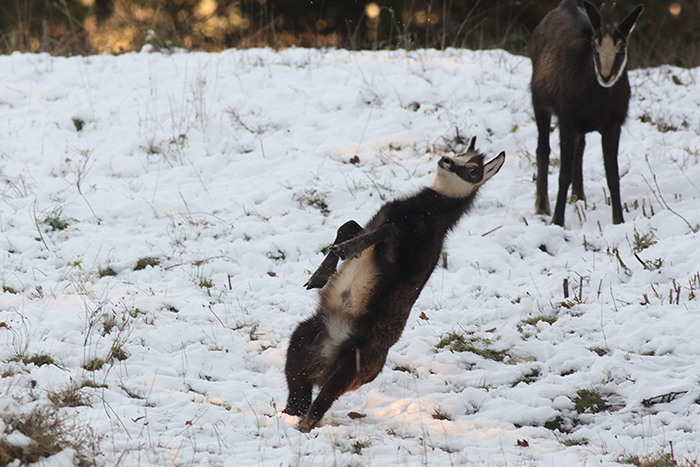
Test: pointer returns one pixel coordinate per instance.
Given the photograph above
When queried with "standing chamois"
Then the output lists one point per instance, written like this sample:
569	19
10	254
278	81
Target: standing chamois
579	74
363	307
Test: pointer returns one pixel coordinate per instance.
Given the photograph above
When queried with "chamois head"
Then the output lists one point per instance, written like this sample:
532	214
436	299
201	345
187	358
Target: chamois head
461	175
609	41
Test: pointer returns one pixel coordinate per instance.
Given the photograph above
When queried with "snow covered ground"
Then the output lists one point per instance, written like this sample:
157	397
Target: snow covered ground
160	213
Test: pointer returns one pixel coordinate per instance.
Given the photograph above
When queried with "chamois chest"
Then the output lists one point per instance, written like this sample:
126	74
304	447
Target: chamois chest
592	107
422	222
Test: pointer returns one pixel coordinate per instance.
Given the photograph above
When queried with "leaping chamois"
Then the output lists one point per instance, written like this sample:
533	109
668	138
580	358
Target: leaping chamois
579	73
363	307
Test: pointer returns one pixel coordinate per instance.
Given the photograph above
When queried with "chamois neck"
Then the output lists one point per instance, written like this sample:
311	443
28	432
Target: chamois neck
446	209
449	201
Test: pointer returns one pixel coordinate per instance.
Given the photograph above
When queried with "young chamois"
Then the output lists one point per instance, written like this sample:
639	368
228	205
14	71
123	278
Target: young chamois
579	74
363	307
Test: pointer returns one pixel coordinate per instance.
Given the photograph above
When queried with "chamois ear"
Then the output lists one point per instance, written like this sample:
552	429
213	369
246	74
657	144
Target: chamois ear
627	24
593	15
472	144
493	166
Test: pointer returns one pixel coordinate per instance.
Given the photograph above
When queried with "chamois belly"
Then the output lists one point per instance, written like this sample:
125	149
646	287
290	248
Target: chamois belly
346	297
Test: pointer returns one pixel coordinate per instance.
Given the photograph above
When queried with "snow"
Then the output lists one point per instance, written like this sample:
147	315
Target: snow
232	171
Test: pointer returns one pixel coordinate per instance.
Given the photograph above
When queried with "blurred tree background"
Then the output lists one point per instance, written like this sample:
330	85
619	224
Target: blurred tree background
667	32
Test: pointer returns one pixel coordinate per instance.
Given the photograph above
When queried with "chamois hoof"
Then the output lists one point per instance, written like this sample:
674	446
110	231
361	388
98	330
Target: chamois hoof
543	208
577	197
324	272
294	411
339	251
559	222
305	425
317	280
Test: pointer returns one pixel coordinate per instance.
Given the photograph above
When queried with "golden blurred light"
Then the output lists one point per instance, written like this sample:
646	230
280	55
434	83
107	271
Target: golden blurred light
110	39
87	2
421	17
213	27
372	10
674	8
143	14
236	19
205	8
328	40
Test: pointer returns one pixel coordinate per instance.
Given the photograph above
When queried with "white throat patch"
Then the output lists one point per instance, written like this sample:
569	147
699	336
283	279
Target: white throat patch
451	185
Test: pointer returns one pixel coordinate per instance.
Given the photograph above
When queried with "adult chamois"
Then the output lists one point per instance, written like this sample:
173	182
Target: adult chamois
363	307
579	74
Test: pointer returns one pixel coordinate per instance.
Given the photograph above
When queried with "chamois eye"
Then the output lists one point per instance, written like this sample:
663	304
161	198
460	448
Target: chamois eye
473	172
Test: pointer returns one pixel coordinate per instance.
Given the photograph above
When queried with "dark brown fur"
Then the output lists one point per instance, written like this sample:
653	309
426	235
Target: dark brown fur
363	307
564	83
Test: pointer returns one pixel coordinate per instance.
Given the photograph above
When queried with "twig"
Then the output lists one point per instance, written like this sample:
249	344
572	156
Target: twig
580	289
602	325
81	171
359	143
686	176
660	198
36	223
492	230
381	195
237	119
619	259
613	298
662	399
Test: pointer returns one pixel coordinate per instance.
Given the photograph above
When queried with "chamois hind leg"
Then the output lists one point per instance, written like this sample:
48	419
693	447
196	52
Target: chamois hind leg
357	245
567	139
544	120
299	366
611	143
577	192
354	365
347	231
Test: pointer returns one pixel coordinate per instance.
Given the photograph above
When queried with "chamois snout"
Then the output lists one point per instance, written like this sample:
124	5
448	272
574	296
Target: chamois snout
446	163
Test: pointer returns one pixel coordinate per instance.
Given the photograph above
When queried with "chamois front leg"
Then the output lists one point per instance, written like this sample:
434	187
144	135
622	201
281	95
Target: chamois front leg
356	246
577	193
611	144
347	231
544	120
568	138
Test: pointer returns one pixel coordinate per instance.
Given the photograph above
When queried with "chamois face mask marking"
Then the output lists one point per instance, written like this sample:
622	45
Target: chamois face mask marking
458	176
610	59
